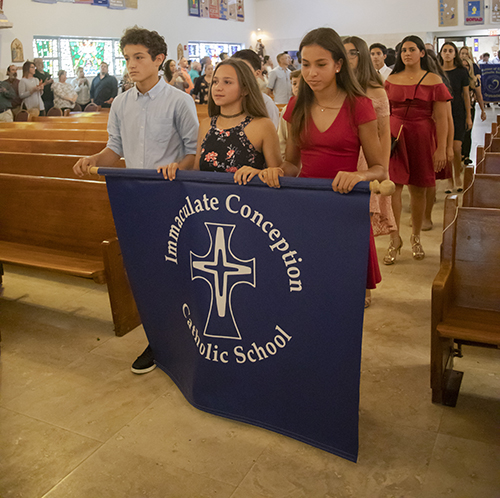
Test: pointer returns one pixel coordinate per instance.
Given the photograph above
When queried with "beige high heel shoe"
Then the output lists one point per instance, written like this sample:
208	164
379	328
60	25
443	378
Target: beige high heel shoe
390	257
416	248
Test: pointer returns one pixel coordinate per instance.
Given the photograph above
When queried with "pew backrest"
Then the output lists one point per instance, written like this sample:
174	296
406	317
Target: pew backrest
483	192
48	165
489	164
55	213
55	134
476	259
61	125
71	147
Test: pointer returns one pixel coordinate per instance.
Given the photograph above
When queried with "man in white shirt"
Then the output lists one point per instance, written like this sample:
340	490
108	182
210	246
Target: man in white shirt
485	59
378	53
150	125
255	64
279	86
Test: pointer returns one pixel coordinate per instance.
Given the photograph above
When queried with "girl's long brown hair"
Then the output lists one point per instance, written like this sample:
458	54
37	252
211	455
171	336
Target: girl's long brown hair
366	74
253	102
328	39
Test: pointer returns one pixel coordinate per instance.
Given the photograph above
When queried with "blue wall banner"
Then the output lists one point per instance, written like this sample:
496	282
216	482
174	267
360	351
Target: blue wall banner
252	298
473	12
490	82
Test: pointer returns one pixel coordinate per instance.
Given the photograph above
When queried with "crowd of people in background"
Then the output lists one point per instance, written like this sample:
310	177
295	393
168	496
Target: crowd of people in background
349	113
423	100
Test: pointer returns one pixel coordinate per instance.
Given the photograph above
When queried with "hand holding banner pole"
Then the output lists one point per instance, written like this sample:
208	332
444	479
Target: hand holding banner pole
385	188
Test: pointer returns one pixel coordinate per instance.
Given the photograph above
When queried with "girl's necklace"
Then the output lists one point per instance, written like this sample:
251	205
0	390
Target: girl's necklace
232	115
323	107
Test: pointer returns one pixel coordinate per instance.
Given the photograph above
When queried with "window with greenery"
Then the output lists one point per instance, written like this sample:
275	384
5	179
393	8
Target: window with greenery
70	53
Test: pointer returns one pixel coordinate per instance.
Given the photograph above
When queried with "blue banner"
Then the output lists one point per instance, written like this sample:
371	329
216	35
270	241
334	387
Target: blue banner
473	12
252	298
490	82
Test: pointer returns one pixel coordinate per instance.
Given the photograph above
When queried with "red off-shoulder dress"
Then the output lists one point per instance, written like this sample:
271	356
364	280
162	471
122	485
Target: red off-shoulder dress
412	164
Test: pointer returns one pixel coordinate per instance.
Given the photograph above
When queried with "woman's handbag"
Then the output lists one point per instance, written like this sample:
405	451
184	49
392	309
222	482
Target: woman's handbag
395	140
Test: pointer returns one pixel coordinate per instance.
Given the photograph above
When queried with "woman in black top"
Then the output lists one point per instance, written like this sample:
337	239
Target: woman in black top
202	85
460	106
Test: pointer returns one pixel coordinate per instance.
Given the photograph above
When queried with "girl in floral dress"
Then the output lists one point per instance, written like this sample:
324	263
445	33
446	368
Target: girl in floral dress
238	137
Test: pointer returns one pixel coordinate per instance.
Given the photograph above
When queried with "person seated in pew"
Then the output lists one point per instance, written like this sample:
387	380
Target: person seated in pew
150	125
64	94
238	137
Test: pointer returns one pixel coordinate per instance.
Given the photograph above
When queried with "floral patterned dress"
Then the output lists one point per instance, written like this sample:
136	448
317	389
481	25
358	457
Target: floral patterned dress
382	217
228	150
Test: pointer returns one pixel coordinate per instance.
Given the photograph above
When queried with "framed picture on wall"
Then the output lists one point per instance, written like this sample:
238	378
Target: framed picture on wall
16	48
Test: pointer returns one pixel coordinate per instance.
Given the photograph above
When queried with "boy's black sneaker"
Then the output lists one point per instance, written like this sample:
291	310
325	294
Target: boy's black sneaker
144	363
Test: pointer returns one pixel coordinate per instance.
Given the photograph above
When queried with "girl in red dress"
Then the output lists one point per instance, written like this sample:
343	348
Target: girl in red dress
421	110
328	123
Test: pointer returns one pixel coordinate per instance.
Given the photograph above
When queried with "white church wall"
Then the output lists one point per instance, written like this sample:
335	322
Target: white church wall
283	23
168	17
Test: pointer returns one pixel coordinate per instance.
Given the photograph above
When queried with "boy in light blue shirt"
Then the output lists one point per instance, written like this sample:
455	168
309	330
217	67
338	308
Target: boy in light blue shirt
150	125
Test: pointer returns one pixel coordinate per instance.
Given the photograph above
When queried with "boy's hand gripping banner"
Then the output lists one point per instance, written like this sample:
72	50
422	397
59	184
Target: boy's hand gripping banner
252	298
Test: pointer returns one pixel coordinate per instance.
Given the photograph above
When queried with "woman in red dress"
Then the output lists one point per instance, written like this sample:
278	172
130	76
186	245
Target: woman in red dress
328	123
421	110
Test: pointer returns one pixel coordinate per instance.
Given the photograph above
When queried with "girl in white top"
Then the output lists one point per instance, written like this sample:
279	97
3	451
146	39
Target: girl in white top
30	88
82	88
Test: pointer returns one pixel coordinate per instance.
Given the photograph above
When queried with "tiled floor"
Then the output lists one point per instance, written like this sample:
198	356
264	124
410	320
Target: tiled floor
74	422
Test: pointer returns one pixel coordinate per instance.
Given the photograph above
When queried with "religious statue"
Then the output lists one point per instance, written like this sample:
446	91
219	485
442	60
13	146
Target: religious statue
17	51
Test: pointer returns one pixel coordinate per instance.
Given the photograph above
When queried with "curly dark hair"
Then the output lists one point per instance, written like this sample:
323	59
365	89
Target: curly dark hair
154	42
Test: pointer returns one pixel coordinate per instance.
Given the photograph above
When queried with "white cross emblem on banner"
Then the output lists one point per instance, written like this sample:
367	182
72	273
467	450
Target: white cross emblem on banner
222	270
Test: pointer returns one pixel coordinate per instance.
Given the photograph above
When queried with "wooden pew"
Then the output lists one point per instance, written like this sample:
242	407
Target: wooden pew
49	165
465	293
72	147
494	145
481	190
65	226
202	111
488	162
43	125
80	116
55	134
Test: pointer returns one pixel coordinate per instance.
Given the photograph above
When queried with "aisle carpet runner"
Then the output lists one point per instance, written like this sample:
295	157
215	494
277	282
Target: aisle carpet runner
252	298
